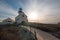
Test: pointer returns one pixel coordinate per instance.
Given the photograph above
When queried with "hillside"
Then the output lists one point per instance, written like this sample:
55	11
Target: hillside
53	29
12	32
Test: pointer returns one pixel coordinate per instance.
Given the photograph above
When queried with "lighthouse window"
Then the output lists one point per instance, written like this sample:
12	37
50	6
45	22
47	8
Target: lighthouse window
23	15
22	22
9	21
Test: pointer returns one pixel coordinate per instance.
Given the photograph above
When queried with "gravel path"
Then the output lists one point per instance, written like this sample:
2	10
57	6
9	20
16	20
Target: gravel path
41	35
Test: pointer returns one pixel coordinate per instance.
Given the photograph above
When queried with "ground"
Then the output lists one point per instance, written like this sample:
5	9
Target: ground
9	32
23	32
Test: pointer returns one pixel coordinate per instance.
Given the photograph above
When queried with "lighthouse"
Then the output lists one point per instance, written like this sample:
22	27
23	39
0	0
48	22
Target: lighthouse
21	18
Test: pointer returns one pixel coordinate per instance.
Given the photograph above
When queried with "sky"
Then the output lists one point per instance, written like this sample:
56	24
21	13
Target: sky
42	11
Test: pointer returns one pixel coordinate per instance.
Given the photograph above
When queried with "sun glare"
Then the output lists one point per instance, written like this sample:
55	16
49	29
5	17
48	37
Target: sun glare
33	16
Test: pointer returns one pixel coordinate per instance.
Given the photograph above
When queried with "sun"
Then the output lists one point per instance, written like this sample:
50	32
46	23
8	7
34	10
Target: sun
33	16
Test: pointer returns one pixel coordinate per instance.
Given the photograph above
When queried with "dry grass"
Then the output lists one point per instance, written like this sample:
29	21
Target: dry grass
8	34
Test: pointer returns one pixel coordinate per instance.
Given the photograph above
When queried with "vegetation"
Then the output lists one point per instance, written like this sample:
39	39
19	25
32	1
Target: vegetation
53	29
8	33
12	32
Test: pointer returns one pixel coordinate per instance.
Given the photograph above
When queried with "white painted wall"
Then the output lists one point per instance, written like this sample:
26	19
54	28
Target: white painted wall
21	17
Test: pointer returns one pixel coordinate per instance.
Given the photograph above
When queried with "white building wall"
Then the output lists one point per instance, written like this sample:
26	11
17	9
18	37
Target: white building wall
21	17
8	21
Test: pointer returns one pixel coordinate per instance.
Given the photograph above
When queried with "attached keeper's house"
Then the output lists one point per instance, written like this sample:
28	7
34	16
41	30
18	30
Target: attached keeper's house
8	21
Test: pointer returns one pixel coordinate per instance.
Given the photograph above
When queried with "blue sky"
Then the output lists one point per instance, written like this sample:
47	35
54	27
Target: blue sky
44	11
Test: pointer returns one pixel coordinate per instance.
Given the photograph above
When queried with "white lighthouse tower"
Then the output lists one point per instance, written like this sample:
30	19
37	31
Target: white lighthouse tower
21	18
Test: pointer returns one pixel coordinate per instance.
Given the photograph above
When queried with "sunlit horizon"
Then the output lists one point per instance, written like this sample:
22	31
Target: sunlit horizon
44	11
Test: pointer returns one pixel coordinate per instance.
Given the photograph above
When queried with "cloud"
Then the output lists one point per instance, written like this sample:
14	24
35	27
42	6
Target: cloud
48	11
6	10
